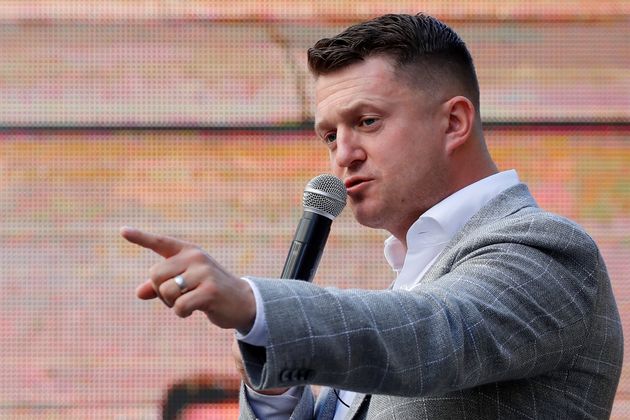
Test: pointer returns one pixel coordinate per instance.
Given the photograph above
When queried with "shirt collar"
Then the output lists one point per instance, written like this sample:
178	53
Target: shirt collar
441	222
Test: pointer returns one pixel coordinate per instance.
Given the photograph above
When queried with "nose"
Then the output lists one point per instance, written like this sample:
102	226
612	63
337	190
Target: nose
349	150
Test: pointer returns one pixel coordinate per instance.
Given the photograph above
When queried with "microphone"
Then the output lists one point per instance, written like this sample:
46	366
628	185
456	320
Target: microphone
324	199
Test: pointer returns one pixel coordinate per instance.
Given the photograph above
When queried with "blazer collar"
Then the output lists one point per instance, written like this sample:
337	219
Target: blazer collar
506	203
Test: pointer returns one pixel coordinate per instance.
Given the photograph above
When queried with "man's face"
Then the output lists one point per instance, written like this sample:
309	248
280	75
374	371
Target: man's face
386	142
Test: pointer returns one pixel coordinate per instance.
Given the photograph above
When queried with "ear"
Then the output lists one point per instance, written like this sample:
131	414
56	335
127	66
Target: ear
461	119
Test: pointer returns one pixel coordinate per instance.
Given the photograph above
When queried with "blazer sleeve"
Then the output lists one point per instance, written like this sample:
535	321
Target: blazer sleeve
508	301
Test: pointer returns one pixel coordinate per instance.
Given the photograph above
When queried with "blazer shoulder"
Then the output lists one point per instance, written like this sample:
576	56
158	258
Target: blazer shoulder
514	221
536	225
514	215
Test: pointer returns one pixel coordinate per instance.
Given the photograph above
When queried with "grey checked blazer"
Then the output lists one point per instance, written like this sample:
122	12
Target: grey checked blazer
515	320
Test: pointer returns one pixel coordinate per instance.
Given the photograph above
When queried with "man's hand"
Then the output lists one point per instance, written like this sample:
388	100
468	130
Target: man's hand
227	301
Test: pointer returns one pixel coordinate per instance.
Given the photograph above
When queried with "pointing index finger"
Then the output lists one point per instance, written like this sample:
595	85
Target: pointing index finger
166	246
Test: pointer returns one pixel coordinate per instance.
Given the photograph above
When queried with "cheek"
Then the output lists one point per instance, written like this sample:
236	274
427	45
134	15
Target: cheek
334	169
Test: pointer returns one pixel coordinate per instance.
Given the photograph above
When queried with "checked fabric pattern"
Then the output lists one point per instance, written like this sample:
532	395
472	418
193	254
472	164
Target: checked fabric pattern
515	320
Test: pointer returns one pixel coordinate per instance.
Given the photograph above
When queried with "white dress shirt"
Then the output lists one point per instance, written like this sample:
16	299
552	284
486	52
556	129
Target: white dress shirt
426	238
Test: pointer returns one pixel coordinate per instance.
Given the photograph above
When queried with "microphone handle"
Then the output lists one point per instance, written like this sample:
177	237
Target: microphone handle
307	247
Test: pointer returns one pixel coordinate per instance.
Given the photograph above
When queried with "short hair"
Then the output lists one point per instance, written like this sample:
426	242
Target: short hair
423	47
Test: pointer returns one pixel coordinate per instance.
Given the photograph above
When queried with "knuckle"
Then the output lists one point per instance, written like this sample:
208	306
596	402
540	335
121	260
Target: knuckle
187	255
163	290
196	253
210	290
159	242
153	272
205	271
180	309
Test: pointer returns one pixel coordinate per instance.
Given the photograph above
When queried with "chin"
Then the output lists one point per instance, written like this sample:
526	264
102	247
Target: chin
366	216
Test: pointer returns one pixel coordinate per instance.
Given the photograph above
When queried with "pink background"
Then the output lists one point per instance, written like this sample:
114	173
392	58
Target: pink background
194	120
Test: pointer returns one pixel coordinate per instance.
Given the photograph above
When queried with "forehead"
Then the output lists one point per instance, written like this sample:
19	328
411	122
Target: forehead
370	74
372	81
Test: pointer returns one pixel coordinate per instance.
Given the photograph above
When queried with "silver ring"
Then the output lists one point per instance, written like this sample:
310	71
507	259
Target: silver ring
180	282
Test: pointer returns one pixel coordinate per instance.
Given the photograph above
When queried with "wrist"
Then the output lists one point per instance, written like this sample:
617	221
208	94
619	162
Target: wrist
256	334
248	308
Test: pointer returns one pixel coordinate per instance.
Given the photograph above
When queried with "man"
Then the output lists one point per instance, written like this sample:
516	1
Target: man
498	310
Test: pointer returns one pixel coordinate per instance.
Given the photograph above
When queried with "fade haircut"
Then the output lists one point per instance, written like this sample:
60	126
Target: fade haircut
423	49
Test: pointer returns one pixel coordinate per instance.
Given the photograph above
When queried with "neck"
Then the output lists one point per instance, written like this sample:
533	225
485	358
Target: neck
462	180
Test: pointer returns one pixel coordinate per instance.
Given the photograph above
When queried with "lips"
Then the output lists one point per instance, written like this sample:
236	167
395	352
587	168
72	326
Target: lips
354	182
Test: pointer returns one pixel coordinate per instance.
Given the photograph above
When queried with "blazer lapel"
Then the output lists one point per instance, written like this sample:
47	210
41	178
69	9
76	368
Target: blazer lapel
357	406
508	202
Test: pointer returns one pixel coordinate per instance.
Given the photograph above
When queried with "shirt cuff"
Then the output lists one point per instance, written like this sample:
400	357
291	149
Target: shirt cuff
274	407
257	335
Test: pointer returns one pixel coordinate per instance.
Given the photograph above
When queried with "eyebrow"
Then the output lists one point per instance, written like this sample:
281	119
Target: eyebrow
352	108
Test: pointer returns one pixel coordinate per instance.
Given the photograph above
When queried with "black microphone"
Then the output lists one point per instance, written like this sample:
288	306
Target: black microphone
324	199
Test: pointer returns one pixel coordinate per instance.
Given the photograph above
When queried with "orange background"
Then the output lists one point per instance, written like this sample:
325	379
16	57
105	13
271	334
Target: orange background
194	120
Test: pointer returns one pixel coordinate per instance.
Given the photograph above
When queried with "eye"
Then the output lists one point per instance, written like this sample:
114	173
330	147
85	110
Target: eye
330	138
366	122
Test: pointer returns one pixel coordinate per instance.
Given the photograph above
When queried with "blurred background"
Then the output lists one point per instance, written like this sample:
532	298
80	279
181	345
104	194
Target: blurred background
194	119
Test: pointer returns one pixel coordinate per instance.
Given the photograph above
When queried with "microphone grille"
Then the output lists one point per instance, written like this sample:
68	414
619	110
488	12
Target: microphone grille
325	194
